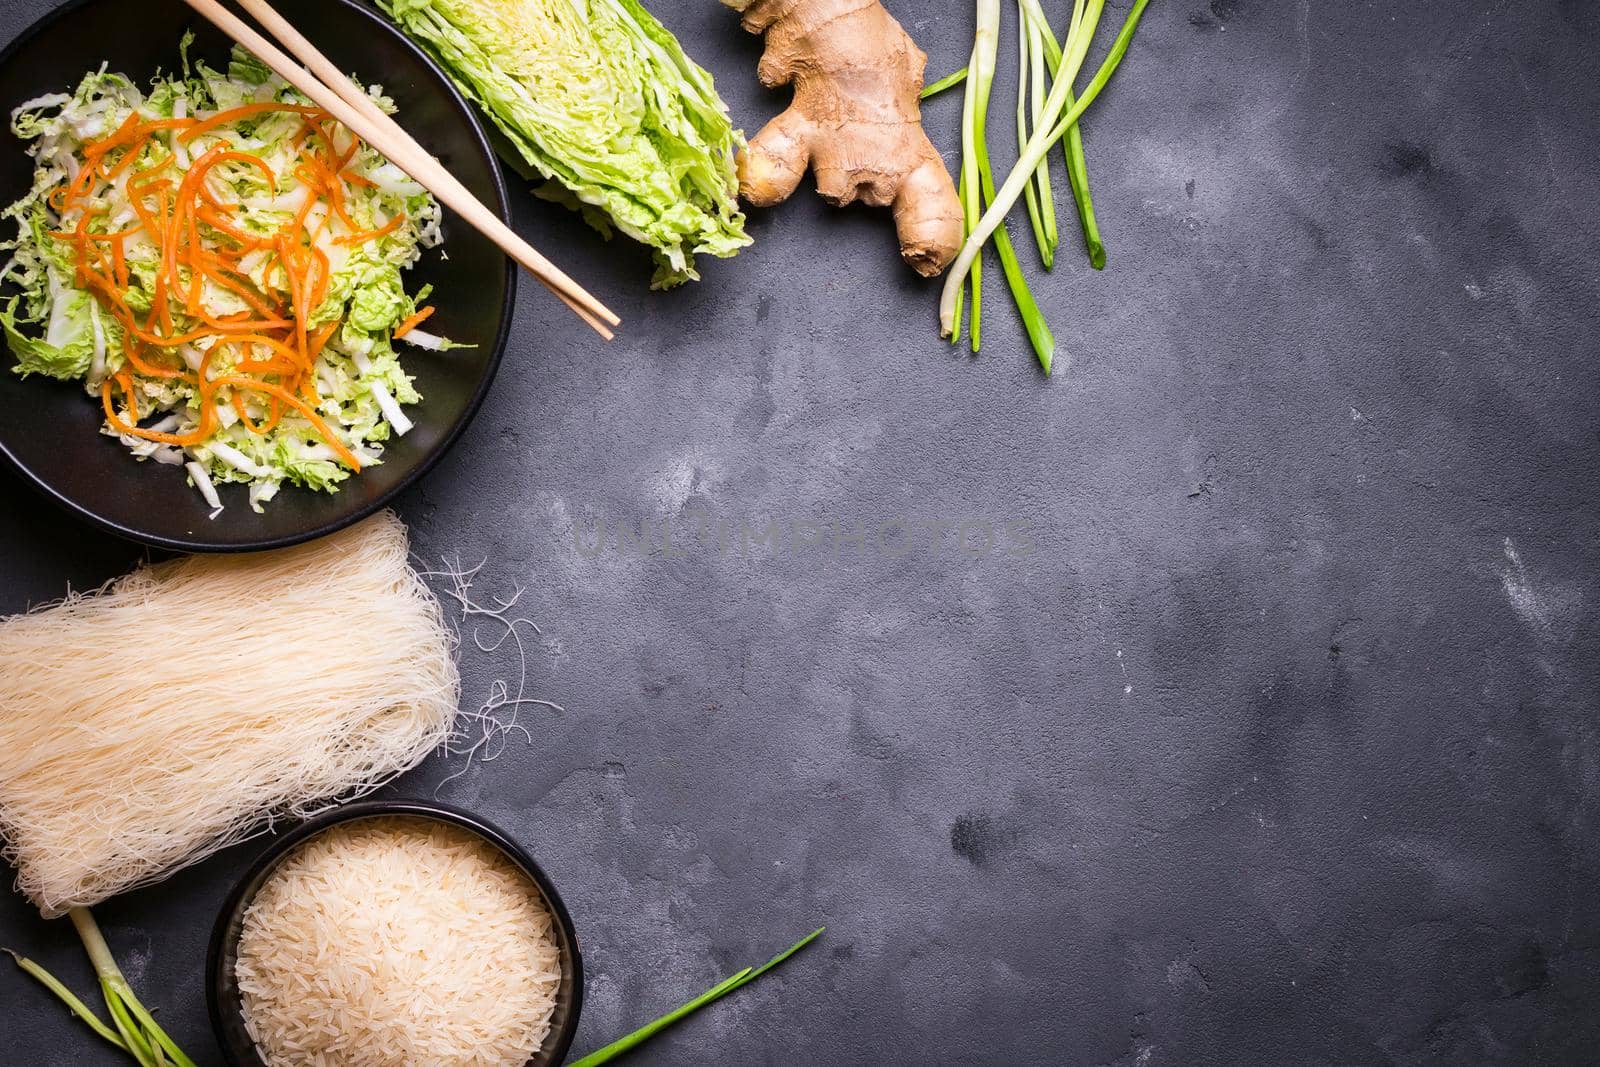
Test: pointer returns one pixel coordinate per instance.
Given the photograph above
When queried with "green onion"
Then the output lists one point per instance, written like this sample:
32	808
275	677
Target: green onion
976	187
980	75
961	291
1078	177
1031	79
949	81
65	995
721	989
984	50
1042	140
1108	67
137	1033
1077	167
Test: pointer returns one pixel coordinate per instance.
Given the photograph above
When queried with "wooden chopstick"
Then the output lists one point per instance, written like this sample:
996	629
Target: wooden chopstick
337	80
339	96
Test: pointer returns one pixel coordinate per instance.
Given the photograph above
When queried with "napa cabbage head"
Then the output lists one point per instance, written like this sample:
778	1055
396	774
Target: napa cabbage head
599	98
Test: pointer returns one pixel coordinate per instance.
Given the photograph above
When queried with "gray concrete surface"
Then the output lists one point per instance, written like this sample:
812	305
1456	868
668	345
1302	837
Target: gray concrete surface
1280	746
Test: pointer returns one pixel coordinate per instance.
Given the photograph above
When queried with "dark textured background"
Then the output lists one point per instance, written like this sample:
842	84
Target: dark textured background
1280	748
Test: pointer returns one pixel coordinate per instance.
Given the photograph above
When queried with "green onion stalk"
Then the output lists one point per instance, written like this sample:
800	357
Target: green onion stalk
1031	80
975	163
949	81
968	184
1077	167
133	1029
721	989
1060	118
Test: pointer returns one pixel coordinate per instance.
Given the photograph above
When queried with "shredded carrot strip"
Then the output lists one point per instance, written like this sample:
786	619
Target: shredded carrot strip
119	263
274	347
93	150
342	160
248	242
81	185
244	416
319	340
130	352
319	291
255	385
333	188
274	417
207	427
277	347
82	233
230	277
413	321
125	380
244	111
295	284
152	172
299	221
134	129
281	367
338	159
372	235
110	409
151	217
254	161
130	156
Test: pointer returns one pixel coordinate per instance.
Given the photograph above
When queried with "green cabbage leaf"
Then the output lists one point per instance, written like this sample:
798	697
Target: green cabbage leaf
598	97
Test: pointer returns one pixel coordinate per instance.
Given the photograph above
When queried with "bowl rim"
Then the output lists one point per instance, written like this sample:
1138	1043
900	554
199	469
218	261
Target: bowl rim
502	210
556	1044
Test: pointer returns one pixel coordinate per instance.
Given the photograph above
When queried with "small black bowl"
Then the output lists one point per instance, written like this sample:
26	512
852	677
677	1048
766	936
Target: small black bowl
51	430
222	987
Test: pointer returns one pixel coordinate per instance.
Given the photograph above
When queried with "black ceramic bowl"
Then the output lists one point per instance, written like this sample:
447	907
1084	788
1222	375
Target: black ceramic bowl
222	988
50	429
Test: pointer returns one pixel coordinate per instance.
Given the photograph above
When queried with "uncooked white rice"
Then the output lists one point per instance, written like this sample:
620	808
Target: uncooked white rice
396	942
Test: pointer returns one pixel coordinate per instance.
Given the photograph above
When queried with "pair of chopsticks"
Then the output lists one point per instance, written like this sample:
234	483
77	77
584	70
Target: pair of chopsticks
333	91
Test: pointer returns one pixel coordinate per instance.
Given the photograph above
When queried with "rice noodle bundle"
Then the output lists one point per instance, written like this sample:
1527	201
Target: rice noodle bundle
177	710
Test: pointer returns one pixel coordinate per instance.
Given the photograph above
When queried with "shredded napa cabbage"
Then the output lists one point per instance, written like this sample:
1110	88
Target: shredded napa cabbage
56	327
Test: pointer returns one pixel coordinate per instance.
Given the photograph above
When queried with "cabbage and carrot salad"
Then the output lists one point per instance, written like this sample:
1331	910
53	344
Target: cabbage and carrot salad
220	263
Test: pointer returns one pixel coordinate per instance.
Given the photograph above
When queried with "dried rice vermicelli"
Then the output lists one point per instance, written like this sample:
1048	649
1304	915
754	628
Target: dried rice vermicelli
172	712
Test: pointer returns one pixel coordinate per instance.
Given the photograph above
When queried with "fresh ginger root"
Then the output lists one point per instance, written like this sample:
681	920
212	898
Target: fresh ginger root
856	121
